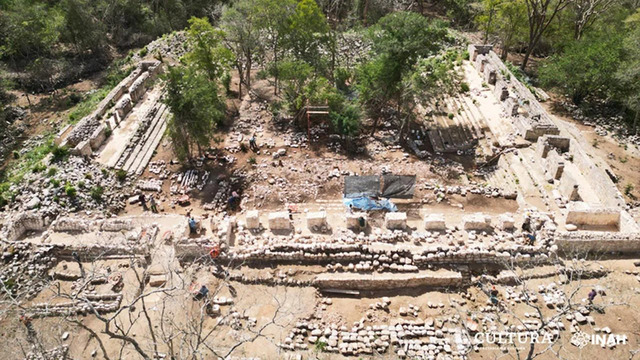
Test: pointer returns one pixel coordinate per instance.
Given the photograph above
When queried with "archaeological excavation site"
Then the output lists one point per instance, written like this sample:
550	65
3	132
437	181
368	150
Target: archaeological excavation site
262	182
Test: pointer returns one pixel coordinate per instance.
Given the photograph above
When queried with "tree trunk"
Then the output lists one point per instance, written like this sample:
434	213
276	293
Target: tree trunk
248	75
364	12
505	53
635	122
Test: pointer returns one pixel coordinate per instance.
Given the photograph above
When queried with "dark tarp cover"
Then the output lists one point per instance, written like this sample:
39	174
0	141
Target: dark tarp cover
398	186
359	186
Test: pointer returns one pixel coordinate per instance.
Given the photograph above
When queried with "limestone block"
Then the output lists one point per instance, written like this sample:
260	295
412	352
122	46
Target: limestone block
512	106
434	222
252	219
395	220
478	222
83	148
352	219
157	280
225	230
506	222
279	221
98	137
316	219
124	106
583	215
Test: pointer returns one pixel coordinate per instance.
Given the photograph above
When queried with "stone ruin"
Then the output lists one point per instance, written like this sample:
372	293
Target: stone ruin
91	131
529	117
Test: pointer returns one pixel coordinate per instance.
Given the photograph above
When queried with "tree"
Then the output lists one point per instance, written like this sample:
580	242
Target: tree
31	30
486	19
81	29
307	30
586	67
629	71
242	36
196	109
540	14
510	18
586	12
206	52
398	41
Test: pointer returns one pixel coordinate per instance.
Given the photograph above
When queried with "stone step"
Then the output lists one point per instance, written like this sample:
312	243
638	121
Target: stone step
155	123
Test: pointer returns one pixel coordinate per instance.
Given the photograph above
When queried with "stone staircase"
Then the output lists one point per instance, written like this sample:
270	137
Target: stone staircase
135	157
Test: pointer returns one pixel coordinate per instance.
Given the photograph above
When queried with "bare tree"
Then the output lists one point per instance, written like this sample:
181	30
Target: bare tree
587	12
540	14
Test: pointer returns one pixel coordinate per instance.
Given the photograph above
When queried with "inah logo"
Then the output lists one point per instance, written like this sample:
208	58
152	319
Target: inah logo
580	339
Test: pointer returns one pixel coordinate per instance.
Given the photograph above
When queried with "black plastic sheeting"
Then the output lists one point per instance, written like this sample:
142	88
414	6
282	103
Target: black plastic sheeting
398	186
393	186
359	186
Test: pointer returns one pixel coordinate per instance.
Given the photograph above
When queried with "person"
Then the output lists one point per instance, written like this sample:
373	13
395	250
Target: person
290	214
531	239
350	209
233	200
526	224
143	202
152	202
362	222
493	295
252	143
193	225
592	295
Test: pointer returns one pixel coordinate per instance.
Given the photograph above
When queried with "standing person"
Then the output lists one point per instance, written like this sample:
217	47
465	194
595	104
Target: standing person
493	295
252	143
592	295
152	202
143	202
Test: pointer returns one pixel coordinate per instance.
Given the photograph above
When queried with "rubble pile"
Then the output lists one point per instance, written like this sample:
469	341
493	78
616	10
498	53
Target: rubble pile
604	125
68	187
24	268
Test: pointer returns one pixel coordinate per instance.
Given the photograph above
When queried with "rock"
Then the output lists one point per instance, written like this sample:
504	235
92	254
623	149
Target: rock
65	336
571	227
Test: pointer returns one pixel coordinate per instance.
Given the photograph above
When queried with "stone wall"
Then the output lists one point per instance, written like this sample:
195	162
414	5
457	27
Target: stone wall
17	225
581	242
594	216
389	281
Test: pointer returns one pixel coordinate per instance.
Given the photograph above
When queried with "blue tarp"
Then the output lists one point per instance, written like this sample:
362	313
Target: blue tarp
366	203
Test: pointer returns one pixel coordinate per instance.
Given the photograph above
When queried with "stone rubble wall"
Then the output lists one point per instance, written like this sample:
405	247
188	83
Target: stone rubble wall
388	281
17	225
595	242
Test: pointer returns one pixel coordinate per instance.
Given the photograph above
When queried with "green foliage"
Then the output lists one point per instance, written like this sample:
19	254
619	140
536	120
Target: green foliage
96	193
207	52
347	121
121	175
252	160
59	153
54	182
197	109
307	29
52	171
464	87
586	67
39	167
70	190
628	190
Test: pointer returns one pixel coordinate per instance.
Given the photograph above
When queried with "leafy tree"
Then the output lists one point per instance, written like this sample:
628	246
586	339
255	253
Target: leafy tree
586	12
398	41
196	109
81	29
510	18
629	71
586	67
207	53
242	35
486	19
273	22
307	30
30	30
540	14
347	121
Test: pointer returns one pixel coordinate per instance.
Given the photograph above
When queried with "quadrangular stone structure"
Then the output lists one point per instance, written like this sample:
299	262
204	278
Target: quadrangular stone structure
506	222
279	221
252	219
316	220
353	220
434	222
579	214
395	220
477	222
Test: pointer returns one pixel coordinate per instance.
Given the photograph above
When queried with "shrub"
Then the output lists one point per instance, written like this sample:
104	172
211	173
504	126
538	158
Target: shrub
450	115
39	167
81	184
88	176
121	175
252	160
54	182
52	171
464	87
59	153
70	190
16	154
628	190
243	147
96	193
